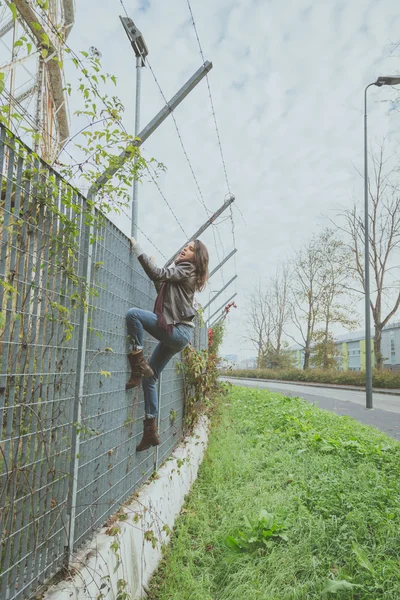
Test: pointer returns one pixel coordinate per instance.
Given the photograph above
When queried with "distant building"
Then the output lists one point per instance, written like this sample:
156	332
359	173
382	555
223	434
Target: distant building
247	363
352	349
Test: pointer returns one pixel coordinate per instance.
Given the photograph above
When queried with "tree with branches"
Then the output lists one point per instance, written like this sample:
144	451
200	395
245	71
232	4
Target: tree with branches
258	321
320	296
305	297
335	300
384	242
268	314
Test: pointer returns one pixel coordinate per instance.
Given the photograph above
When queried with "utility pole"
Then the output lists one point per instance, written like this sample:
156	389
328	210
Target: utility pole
140	49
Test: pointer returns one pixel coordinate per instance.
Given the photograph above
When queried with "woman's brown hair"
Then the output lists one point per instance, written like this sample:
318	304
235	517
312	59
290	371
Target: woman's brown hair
201	263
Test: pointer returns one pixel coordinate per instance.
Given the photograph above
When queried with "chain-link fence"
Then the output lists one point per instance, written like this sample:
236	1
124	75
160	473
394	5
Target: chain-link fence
68	428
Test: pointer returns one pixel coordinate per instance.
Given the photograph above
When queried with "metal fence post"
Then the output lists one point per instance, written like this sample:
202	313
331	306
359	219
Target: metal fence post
159	390
87	250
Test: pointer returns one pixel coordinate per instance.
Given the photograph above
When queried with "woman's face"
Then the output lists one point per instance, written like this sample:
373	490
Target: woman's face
187	254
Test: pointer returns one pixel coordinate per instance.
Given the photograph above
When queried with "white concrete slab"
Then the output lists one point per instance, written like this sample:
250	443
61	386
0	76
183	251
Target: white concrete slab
127	560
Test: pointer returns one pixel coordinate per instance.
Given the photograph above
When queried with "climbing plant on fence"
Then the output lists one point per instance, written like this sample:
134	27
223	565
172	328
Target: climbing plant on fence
200	379
67	427
200	372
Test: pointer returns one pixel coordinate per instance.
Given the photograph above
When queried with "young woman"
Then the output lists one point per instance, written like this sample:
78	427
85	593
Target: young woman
171	324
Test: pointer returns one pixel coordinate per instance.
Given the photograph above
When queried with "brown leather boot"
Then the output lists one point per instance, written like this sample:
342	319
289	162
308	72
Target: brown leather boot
150	435
139	369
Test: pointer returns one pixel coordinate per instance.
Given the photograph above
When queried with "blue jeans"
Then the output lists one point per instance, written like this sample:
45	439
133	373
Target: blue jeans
171	342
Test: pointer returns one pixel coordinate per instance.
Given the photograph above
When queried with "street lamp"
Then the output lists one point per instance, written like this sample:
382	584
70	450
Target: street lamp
140	49
368	363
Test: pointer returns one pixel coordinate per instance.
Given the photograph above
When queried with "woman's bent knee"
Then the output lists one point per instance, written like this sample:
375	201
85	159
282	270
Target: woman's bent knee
132	313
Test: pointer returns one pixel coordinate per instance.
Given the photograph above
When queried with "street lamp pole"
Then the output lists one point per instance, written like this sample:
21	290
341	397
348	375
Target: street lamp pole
140	49
139	65
368	362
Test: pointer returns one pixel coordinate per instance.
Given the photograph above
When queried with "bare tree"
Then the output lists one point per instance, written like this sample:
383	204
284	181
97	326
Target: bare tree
267	316
278	299
258	321
320	284
384	240
335	301
306	286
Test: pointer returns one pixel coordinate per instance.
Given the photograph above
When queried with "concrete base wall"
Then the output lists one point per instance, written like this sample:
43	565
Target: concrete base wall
123	556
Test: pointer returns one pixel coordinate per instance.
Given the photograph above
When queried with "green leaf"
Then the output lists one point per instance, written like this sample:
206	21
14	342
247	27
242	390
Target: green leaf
2	82
333	587
232	543
267	519
362	557
45	39
13	9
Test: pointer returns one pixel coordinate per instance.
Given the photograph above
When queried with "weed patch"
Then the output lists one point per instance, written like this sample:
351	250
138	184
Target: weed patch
291	503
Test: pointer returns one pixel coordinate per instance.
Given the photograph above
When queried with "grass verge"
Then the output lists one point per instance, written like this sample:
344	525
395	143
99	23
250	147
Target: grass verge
291	503
381	379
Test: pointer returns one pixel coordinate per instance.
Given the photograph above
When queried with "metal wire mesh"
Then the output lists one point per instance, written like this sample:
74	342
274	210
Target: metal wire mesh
68	428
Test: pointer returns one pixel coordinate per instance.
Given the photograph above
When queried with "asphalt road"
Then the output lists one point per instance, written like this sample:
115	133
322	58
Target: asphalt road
385	415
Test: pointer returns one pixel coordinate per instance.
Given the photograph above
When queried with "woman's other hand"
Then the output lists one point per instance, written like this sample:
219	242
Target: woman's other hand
132	242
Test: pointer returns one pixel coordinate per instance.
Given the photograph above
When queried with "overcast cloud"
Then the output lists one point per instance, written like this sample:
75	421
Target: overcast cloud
287	85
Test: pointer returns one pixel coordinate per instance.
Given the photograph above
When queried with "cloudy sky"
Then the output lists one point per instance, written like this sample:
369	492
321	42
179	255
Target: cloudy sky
287	84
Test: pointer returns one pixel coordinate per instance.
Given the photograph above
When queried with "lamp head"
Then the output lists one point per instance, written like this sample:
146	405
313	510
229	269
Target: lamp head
135	37
387	81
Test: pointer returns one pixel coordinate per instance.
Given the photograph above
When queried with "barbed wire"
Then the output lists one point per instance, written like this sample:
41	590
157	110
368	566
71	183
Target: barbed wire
201	199
216	130
79	167
211	99
149	240
129	217
31	119
150	166
153	179
123	6
80	62
208	211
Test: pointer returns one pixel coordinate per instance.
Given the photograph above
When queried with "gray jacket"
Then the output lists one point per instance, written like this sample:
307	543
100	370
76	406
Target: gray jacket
181	283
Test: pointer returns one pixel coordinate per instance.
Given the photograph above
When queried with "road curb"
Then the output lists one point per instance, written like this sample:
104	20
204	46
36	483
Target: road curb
319	385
